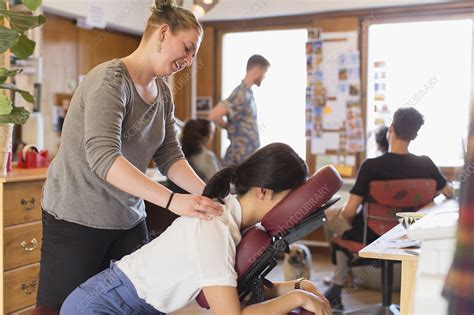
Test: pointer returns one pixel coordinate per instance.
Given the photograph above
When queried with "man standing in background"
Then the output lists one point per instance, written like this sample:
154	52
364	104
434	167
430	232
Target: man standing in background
238	113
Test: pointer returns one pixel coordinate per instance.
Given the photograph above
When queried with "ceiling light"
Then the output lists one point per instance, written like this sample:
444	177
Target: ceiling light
198	11
201	7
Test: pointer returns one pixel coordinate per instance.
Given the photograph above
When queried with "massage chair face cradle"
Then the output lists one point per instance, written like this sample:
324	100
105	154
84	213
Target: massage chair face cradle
297	215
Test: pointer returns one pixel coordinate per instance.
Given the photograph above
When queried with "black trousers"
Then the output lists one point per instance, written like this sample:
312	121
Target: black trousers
72	253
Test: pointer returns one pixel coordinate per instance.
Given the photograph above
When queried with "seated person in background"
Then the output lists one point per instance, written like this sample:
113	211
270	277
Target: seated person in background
194	254
397	163
382	147
196	135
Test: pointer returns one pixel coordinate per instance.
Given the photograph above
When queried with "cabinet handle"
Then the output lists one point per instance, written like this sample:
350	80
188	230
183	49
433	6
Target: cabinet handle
29	288
33	243
28	204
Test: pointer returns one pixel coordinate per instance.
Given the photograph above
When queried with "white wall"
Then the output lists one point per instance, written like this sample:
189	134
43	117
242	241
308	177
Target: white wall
125	15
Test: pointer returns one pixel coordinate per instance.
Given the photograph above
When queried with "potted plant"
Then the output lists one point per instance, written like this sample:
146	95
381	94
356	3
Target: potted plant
14	40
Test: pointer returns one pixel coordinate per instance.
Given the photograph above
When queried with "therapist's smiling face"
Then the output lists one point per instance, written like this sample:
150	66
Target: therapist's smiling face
175	51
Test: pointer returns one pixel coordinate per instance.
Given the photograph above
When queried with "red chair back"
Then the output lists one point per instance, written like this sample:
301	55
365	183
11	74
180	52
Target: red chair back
387	197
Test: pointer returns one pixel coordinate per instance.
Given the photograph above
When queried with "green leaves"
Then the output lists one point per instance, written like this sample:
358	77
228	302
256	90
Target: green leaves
32	5
8	38
24	47
25	94
21	22
5	105
5	74
13	37
18	116
20	45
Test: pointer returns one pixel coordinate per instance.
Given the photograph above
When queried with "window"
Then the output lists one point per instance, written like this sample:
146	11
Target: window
281	98
426	65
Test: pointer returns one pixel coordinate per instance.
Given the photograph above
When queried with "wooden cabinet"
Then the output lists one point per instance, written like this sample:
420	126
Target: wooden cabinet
20	204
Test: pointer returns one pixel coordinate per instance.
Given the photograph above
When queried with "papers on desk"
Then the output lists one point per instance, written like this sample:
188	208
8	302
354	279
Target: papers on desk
440	223
399	243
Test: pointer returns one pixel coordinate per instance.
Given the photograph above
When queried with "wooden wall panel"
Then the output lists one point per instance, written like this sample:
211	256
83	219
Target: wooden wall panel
181	87
59	53
68	52
206	82
97	46
206	67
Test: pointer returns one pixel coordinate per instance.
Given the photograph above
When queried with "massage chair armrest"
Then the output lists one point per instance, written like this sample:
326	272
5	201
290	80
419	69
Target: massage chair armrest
310	224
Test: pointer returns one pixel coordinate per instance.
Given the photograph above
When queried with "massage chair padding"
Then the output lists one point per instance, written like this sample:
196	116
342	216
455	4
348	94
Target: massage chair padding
298	205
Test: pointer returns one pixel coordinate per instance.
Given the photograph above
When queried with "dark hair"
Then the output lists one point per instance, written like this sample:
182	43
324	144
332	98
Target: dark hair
168	12
381	139
194	133
276	166
257	60
406	123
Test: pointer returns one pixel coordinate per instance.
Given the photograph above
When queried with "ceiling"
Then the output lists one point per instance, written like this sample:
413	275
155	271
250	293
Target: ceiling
130	15
244	9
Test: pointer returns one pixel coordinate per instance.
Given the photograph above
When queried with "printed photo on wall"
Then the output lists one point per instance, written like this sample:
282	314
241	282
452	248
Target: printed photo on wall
343	74
314	33
203	106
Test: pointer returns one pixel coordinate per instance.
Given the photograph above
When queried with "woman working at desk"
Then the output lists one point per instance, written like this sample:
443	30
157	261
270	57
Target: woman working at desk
120	117
397	163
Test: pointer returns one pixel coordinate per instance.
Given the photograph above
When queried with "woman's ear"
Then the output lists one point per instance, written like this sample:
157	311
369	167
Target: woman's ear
162	31
261	193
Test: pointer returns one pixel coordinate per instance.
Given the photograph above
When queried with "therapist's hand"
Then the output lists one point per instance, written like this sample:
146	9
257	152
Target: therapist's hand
195	206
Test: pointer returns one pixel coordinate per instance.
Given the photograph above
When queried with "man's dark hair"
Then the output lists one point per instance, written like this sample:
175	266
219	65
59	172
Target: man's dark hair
381	139
257	60
406	123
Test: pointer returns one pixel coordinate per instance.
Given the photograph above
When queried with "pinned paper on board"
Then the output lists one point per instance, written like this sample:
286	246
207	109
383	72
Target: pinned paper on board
317	145
334	114
331	140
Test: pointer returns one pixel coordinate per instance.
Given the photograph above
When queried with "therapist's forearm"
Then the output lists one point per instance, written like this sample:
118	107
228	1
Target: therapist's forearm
184	176
125	176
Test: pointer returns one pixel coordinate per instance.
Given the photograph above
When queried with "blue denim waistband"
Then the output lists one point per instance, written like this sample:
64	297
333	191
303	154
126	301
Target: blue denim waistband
129	293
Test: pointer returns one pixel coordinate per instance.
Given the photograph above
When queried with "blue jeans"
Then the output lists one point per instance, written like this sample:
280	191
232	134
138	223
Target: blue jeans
108	292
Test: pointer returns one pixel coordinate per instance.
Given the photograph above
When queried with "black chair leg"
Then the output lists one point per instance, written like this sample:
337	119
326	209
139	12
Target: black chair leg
387	282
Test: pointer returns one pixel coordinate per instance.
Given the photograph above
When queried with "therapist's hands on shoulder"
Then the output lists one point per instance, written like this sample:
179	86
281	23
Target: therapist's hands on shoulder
195	206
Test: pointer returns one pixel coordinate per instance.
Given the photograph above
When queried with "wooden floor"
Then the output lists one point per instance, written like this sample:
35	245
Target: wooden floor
352	299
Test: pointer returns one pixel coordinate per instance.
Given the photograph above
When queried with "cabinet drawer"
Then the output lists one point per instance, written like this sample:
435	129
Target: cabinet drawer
22	244
22	202
20	287
24	311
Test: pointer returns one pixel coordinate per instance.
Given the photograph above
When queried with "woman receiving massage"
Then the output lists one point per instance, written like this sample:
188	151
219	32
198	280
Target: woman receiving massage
193	254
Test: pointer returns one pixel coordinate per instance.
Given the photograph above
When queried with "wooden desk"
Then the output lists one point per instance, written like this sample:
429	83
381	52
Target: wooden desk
409	259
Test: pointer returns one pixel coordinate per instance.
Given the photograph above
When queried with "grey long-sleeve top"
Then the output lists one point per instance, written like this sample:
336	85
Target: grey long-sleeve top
107	119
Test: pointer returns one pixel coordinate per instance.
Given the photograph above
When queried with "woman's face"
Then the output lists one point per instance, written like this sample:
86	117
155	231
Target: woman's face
177	50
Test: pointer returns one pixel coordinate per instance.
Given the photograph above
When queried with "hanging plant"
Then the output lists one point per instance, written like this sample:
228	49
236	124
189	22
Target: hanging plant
13	38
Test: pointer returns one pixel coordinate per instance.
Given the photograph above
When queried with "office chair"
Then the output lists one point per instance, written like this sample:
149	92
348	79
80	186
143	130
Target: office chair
386	198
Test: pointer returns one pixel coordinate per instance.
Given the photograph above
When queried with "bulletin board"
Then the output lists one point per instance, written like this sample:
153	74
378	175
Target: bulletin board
334	123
